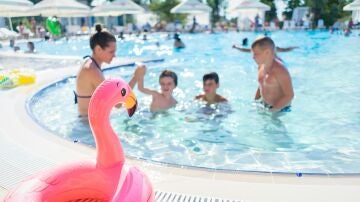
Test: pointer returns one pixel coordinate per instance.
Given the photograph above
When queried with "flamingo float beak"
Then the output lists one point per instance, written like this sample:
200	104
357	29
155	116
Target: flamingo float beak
131	103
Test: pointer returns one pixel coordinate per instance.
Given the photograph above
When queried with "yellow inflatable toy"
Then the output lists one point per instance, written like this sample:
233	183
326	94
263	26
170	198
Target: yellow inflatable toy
13	78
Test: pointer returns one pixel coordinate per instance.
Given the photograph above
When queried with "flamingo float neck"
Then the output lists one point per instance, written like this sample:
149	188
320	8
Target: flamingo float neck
108	147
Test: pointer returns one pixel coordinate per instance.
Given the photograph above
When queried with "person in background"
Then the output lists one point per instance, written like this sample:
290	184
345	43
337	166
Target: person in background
257	23
177	42
245	41
33	26
121	35
31	47
351	24
21	28
12	43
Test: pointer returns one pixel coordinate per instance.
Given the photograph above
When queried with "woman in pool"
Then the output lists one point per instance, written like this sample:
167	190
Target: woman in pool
103	46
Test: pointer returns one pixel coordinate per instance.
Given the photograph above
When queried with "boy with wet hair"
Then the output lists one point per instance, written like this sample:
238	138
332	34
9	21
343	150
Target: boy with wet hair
210	85
275	88
163	100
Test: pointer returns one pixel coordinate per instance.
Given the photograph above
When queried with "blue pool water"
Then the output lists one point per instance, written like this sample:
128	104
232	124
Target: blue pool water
321	134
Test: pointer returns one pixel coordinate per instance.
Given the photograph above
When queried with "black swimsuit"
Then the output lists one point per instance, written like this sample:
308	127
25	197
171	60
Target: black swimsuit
76	96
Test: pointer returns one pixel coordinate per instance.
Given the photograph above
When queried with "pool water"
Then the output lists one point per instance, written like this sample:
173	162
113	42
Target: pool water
319	135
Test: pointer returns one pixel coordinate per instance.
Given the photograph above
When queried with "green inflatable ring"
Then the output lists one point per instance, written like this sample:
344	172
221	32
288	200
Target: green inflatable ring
53	26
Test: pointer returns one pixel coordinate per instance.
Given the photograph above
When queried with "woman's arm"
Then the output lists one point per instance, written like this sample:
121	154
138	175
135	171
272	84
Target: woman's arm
247	50
279	49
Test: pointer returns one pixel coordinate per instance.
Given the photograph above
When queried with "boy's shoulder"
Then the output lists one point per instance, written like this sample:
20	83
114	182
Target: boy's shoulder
220	98
199	97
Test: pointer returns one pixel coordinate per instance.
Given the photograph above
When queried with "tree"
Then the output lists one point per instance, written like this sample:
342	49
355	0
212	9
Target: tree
291	5
140	2
328	10
162	9
272	14
215	13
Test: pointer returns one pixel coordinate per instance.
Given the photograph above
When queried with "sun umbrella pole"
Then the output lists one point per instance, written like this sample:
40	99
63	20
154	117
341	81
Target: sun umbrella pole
89	23
10	24
124	20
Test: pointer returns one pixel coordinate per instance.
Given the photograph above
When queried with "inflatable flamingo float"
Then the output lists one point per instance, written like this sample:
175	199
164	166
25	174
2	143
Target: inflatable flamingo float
107	179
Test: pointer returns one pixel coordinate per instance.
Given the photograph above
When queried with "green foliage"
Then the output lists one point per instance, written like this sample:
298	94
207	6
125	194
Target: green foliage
162	9
271	14
291	5
328	10
215	6
142	2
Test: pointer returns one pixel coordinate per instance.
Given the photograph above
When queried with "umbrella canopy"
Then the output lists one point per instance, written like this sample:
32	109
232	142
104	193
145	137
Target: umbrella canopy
354	6
251	4
117	7
60	8
97	2
191	7
14	8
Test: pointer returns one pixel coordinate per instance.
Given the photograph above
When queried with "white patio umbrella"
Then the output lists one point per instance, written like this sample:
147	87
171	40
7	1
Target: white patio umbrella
191	7
60	8
246	10
354	6
116	8
97	2
251	4
14	8
9	5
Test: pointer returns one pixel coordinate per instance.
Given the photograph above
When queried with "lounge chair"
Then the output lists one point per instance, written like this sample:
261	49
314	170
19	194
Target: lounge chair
273	26
8	33
286	25
306	25
320	24
292	25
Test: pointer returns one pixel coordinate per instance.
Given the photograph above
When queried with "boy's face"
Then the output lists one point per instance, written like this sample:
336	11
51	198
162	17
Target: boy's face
167	85
260	55
210	86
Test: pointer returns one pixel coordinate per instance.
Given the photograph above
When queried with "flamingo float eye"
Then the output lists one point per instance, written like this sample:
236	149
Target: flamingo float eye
123	92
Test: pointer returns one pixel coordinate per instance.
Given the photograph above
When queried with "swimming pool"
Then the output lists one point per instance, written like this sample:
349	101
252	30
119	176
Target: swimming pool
319	135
